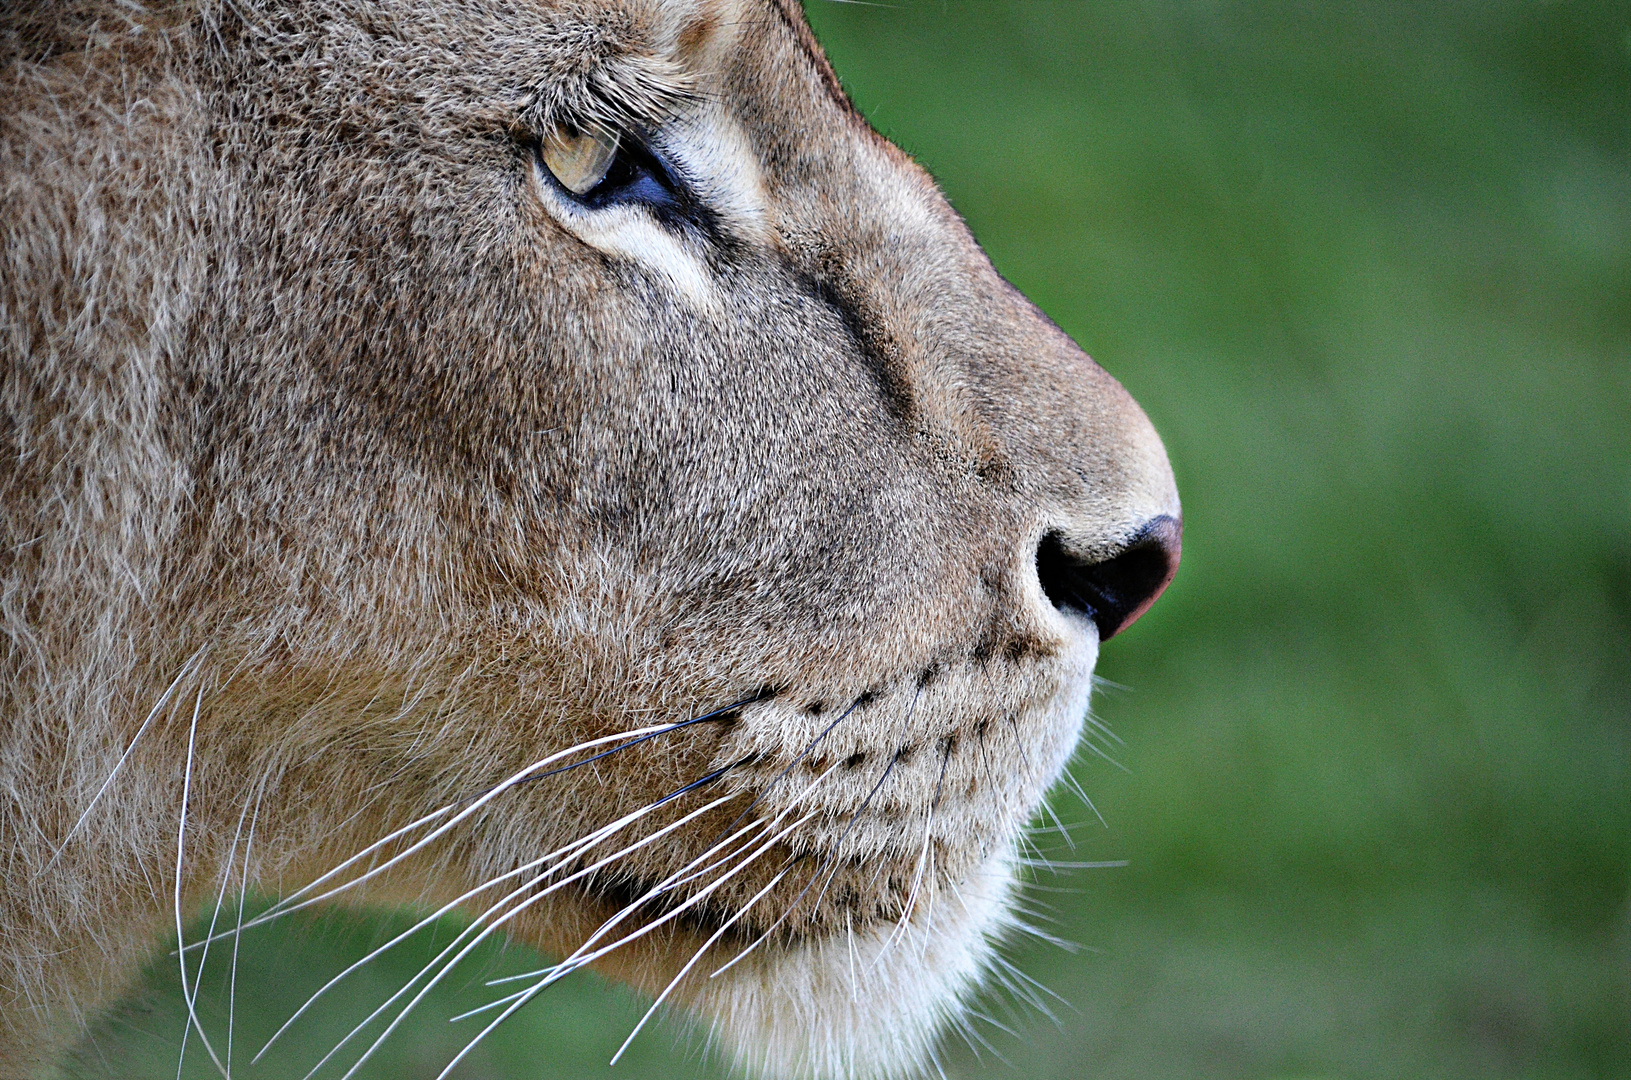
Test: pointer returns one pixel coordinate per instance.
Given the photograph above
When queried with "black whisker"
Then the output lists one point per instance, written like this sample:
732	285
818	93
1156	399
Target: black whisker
717	714
778	779
839	847
703	781
830	860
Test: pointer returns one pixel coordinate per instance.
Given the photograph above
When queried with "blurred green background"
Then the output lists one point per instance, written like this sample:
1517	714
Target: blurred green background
1368	267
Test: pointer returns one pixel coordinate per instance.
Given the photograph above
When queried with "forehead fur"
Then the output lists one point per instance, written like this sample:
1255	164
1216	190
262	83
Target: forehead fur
638	61
616	63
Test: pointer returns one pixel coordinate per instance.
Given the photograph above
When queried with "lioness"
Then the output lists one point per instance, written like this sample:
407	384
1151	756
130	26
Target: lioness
549	459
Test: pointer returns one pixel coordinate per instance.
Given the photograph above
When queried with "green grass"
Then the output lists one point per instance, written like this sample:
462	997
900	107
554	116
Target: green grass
1368	267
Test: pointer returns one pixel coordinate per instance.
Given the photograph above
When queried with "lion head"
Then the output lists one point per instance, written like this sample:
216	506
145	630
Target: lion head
549	459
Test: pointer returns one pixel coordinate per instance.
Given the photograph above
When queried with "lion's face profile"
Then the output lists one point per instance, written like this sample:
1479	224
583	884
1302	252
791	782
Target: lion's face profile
551	459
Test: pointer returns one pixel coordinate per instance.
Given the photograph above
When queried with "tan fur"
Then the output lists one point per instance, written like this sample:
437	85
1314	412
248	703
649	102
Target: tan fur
346	469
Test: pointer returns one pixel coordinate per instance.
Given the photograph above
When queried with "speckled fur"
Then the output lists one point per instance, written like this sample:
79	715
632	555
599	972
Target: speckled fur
331	438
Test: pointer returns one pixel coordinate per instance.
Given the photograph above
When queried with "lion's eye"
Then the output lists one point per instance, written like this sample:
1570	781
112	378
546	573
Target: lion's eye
598	167
580	157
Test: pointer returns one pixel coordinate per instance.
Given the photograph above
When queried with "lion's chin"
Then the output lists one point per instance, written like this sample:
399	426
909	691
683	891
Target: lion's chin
871	1004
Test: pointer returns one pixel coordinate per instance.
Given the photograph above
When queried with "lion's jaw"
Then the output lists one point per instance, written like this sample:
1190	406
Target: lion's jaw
871	999
874	1003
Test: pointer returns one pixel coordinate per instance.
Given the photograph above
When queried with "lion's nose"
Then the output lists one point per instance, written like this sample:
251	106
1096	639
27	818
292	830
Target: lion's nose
1117	590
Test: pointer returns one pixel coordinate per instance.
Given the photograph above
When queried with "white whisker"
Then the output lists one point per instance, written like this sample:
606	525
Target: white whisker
656	890
689	964
1047	808
1081	793
181	935
579	959
849	949
287	905
474	805
559	855
663	886
1042	935
923	860
164	698
500	921
1016	972
792	804
220	899
1045	863
838	848
237	938
999	1025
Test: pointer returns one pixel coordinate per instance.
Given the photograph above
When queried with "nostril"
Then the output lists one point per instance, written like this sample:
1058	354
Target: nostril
1115	591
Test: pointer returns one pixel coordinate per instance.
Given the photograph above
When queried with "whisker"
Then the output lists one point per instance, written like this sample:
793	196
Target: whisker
719	845
181	935
1100	728
1059	826
1018	973
1070	826
480	934
766	790
717	972
999	1025
474	803
1036	854
288	905
928	916
577	961
560	854
837	848
922	861
523	906
1076	787
689	964
934	892
966	1031
1056	866
664	730
1003	994
164	698
969	1031
237	938
664	886
1024	757
1042	935
849	948
220	899
793	764
611	922
573	849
